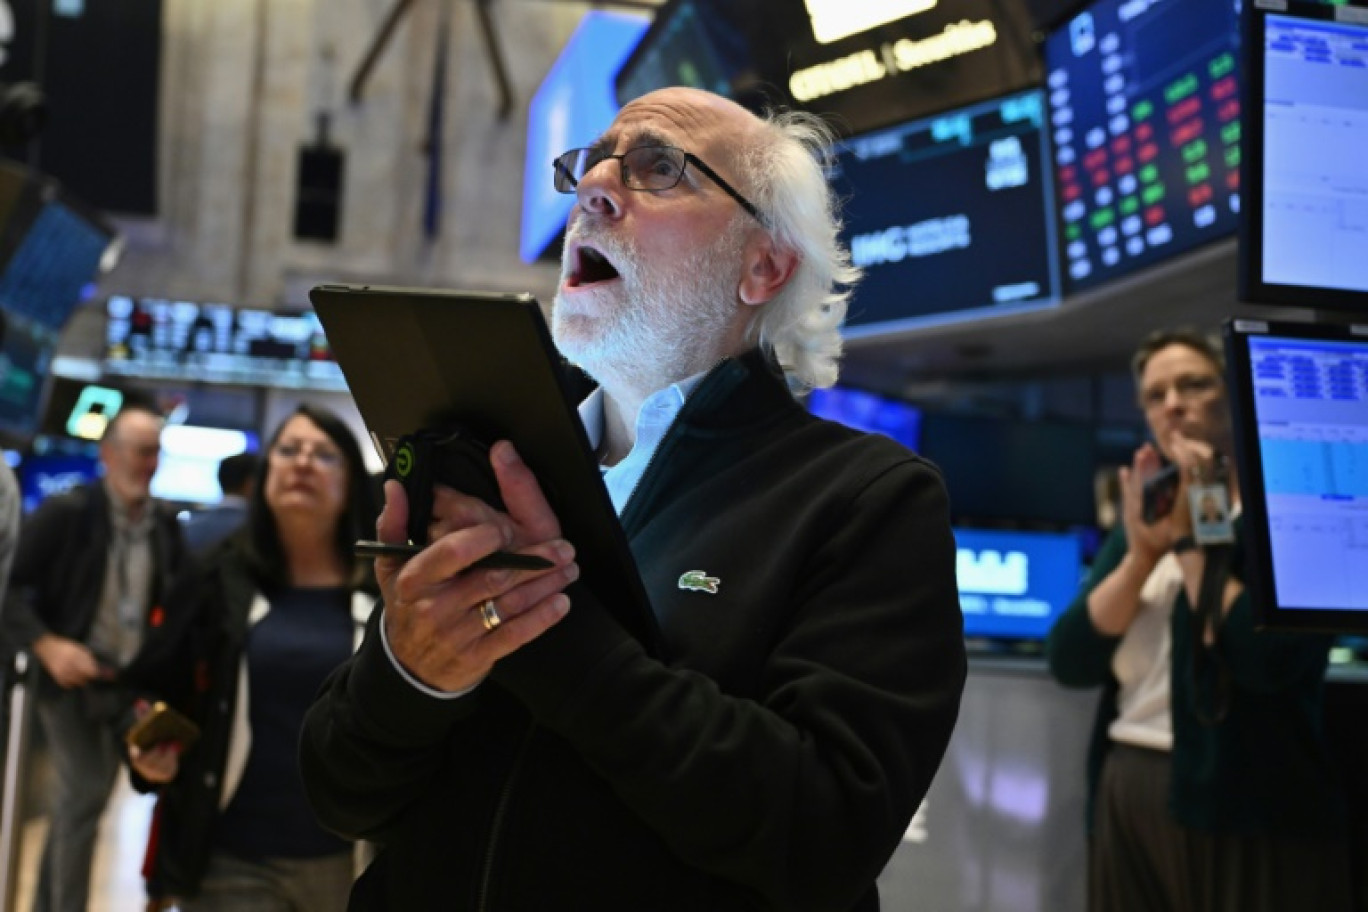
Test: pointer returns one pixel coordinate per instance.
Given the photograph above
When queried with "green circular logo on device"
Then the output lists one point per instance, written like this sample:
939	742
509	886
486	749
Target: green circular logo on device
403	461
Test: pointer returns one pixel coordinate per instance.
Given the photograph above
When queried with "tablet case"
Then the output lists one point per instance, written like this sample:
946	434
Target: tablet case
421	358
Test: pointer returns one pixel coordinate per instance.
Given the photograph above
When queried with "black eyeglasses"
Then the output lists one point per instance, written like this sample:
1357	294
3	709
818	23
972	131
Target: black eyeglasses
643	168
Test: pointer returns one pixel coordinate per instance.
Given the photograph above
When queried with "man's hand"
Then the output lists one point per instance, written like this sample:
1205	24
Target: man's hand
69	663
432	606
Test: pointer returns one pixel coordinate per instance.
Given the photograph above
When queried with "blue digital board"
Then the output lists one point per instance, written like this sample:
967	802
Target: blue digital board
1014	584
574	104
867	411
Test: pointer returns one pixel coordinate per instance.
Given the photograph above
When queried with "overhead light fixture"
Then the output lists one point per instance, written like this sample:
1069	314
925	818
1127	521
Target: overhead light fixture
833	20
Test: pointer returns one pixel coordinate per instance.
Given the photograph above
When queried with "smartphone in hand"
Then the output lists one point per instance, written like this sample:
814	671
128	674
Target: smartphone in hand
1159	493
162	724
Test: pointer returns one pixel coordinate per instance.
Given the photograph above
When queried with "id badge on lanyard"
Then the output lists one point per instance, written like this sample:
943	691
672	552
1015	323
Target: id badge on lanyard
1209	501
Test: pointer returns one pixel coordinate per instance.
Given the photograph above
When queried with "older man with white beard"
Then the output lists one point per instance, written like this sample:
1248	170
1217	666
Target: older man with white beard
507	742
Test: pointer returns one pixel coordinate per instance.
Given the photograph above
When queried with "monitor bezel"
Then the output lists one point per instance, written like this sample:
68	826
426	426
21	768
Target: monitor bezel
1259	578
1250	284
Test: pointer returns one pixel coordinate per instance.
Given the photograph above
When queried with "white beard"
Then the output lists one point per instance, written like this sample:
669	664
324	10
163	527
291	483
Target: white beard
658	324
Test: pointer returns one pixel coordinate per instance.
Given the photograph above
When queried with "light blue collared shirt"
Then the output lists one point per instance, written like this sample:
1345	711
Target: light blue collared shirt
657	413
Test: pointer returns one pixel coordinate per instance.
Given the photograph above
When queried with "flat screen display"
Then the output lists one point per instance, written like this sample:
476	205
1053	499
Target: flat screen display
50	251
870	412
190	457
950	217
1299	397
187	340
1013	470
27	362
573	105
861	65
52	470
1145	112
59	255
1014	584
1305	230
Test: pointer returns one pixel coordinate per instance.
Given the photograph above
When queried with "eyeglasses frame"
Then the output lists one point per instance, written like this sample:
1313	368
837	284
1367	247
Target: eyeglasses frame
689	159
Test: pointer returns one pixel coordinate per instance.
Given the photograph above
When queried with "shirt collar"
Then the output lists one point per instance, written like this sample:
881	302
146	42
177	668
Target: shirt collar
671	397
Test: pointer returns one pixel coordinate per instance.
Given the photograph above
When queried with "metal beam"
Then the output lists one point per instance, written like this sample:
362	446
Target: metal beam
382	38
496	61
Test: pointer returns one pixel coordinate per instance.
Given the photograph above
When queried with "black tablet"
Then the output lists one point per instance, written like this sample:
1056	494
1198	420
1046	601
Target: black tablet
415	358
1299	402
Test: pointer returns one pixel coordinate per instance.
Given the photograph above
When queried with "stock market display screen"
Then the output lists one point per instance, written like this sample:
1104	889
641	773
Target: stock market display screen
949	216
1300	404
1305	222
154	337
1144	106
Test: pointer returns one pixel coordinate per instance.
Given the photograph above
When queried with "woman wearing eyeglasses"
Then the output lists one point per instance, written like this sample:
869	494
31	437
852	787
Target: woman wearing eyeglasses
1211	787
247	639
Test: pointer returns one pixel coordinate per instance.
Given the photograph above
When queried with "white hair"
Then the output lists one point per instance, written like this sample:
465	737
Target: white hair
786	171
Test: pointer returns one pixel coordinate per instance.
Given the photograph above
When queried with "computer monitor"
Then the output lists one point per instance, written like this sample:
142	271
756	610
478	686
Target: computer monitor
1304	230
866	411
51	249
1299	400
950	217
190	457
571	107
1014	470
1144	101
53	466
1014	584
860	65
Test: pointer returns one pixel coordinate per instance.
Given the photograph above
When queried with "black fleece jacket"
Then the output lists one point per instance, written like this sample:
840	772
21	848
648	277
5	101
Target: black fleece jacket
771	758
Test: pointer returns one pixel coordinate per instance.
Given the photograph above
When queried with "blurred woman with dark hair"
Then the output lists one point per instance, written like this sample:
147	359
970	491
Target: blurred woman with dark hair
247	639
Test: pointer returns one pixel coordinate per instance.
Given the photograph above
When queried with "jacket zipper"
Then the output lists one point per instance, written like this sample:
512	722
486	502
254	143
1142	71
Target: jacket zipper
500	812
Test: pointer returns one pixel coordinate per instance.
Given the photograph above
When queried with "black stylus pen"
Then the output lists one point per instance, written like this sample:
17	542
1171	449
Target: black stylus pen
497	560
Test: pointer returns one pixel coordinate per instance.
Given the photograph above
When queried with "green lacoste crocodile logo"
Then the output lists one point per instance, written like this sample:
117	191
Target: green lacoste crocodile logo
699	581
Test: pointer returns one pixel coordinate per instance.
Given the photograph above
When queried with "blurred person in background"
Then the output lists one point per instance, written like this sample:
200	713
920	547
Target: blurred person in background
87	586
1211	788
250	635
236	477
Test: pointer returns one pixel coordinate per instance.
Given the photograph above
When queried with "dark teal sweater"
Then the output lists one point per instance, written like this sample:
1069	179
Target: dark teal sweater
1264	768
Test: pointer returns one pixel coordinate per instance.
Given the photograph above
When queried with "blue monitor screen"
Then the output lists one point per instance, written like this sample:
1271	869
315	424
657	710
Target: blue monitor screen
1145	112
1310	404
1315	131
59	255
868	412
42	475
1014	584
28	351
574	104
950	217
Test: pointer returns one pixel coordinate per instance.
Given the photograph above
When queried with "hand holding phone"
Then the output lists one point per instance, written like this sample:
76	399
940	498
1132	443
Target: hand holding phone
1159	493
161	724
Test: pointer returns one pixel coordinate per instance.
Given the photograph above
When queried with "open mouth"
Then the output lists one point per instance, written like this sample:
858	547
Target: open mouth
591	267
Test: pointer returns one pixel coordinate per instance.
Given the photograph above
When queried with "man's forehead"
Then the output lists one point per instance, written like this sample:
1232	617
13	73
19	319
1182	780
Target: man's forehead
679	117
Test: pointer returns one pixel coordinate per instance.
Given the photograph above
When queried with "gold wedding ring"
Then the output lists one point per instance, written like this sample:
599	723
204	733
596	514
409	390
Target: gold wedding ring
489	615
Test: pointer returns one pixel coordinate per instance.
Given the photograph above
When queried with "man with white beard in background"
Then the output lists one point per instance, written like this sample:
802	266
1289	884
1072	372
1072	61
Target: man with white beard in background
507	741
